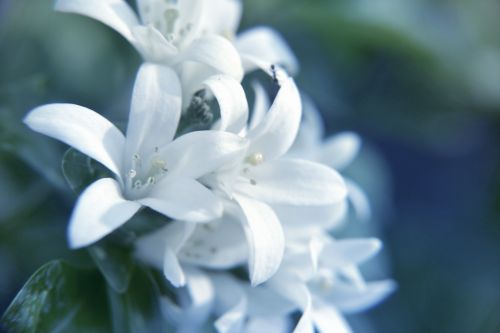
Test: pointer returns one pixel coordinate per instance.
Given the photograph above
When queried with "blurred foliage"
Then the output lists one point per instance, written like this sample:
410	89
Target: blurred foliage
420	80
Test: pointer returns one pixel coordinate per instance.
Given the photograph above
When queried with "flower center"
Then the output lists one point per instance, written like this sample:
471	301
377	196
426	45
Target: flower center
255	159
164	17
143	174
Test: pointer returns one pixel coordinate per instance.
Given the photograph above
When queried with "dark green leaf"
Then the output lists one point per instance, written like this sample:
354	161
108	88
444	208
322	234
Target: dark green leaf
59	298
115	263
138	310
79	170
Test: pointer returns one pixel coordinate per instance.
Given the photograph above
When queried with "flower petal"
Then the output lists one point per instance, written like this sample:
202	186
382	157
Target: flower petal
340	150
294	182
277	131
116	14
222	17
327	319
219	244
231	302
81	128
272	49
265	238
153	46
350	299
155	110
216	52
100	209
183	199
359	200
172	269
198	153
354	251
232	102
261	105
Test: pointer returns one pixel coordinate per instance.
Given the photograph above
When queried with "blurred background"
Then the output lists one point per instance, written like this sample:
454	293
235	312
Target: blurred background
419	80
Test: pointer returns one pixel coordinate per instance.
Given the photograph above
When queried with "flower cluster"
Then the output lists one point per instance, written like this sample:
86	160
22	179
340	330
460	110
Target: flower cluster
250	201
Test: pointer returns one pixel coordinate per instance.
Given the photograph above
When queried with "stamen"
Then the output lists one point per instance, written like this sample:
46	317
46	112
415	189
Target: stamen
171	16
255	159
253	182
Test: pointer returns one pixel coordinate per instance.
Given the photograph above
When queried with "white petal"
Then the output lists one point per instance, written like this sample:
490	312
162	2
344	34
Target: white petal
300	295
350	299
153	46
272	49
295	182
277	131
198	153
265	238
222	17
306	217
231	303
81	128
327	319
172	269
219	244
216	52
261	105
356	251
264	301
150	248
183	199
359	200
232	102
155	110
268	324
116	14
100	209
340	150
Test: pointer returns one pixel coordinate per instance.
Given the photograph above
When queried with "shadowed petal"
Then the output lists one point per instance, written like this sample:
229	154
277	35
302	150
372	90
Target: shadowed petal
81	128
100	210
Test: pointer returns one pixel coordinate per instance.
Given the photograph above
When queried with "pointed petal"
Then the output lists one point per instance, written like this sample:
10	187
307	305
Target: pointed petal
265	239
261	105
277	131
340	150
231	302
155	109
299	294
356	251
151	247
116	14
232	102
219	244
222	17
216	52
198	153
268	324
172	269
100	209
294	182
272	49
81	128
359	200
327	319
350	299
183	199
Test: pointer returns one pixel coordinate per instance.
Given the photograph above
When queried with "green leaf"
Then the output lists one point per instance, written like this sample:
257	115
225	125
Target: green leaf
115	263
59	298
138	310
80	171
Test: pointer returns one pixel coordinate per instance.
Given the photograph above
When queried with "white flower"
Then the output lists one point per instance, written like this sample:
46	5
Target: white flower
262	179
166	32
150	169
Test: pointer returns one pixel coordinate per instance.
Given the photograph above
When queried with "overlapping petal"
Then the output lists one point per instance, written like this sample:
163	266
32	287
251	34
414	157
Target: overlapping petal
81	128
265	239
116	14
100	209
183	199
272	49
296	182
155	109
277	131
